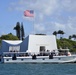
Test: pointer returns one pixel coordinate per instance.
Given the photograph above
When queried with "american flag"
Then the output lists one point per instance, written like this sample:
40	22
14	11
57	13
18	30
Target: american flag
29	13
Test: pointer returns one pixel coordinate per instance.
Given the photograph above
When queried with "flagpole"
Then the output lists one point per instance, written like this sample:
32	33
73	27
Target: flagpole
34	24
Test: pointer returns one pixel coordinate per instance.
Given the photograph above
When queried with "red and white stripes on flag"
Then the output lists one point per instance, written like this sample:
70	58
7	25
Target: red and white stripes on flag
29	13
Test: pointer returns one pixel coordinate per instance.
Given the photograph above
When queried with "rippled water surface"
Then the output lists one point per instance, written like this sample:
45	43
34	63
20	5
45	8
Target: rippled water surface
37	69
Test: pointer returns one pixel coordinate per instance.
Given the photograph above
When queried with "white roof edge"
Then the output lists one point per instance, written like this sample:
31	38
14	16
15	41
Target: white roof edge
13	41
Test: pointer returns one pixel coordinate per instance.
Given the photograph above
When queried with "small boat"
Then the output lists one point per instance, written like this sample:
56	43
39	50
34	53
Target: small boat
62	56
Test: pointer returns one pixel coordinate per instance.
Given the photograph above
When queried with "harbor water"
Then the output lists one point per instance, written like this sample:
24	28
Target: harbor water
38	69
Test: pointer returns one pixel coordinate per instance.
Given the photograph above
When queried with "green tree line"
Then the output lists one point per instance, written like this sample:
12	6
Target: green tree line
9	36
64	42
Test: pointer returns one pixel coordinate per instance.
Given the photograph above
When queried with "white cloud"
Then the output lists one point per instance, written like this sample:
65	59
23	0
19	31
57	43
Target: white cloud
41	17
43	6
69	5
46	7
72	22
59	26
39	28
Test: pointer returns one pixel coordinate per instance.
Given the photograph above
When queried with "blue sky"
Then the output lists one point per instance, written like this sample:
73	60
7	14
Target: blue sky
50	16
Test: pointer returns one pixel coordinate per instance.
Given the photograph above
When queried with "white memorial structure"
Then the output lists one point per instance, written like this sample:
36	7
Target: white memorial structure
32	43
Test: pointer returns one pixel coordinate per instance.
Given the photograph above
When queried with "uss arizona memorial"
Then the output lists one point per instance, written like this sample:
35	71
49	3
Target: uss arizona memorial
32	44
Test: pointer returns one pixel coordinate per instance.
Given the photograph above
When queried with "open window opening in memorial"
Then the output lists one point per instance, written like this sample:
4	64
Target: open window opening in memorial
14	48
